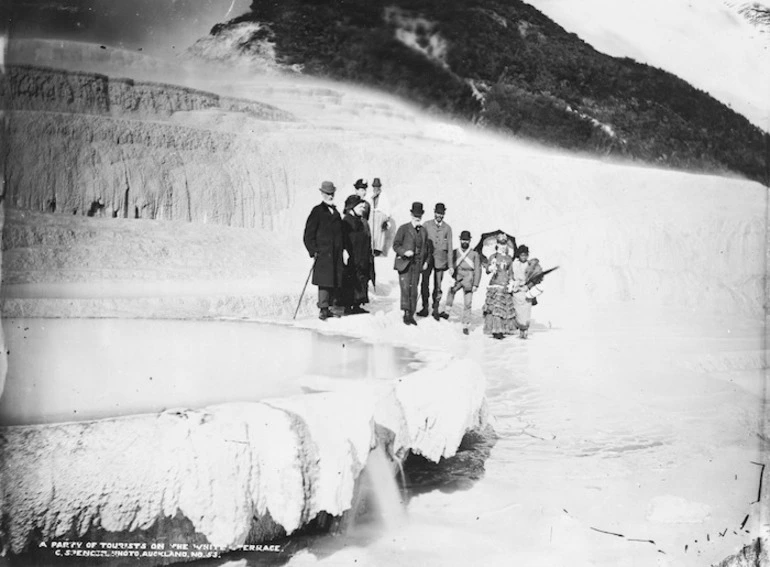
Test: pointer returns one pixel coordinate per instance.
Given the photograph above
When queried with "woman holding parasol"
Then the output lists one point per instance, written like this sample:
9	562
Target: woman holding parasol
499	311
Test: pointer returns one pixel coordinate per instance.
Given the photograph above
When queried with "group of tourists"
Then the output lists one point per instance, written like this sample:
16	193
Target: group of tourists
344	246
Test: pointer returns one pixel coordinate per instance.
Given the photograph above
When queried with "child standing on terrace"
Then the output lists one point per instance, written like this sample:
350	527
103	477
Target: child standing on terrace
527	275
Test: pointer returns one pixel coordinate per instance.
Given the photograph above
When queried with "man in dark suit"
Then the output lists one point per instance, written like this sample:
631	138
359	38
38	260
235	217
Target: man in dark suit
411	248
323	240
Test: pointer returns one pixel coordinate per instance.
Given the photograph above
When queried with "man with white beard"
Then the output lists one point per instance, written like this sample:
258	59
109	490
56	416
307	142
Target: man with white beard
411	248
323	240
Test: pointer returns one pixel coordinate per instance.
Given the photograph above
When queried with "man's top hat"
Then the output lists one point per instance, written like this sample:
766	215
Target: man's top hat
440	208
328	188
376	182
360	184
465	235
417	209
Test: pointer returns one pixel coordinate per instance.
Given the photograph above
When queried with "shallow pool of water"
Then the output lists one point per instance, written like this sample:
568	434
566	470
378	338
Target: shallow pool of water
79	369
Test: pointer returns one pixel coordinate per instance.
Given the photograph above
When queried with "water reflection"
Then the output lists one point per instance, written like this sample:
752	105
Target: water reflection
78	369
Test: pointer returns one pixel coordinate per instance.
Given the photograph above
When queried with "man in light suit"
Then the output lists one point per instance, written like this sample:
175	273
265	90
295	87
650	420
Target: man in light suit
411	248
439	258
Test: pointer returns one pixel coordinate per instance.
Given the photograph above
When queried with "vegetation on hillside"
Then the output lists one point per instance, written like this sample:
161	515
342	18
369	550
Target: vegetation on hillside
507	66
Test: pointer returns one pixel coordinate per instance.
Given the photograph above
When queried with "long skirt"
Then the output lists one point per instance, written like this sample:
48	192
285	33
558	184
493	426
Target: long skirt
523	308
499	312
355	287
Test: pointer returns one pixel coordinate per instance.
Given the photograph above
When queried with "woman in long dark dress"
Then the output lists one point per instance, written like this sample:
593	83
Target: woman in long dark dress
357	242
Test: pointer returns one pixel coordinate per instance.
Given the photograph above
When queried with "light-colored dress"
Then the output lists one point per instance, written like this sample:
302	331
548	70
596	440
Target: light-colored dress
378	216
522	306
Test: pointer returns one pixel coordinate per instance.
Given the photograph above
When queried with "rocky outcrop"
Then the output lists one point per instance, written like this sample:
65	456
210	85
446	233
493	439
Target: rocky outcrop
114	146
26	87
229	474
138	169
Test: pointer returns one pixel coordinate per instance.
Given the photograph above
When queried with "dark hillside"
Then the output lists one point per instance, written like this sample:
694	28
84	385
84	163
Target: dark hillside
503	64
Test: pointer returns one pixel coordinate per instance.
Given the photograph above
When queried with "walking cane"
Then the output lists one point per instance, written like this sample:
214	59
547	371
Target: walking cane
301	295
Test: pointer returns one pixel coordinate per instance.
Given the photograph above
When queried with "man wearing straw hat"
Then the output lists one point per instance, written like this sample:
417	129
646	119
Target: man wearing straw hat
324	242
411	247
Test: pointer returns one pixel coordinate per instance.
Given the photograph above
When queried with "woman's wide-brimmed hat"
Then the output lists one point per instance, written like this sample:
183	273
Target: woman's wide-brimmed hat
352	201
361	184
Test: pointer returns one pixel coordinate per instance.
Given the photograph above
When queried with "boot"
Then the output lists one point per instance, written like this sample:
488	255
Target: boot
406	318
422	312
412	320
523	333
465	331
325	314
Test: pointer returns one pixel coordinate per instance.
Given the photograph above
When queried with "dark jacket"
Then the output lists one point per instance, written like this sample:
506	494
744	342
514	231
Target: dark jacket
408	238
358	243
323	236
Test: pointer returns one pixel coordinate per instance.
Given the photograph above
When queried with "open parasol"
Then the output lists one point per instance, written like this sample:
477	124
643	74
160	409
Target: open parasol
488	241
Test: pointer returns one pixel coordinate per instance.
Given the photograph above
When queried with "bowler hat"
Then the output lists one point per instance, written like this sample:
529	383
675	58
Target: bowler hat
417	209
361	184
440	208
328	188
465	235
376	182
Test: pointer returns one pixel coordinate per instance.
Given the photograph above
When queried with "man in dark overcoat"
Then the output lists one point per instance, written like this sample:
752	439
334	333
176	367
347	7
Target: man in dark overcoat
411	248
324	242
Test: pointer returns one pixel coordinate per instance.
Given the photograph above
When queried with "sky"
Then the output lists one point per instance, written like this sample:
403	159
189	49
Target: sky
159	27
707	43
